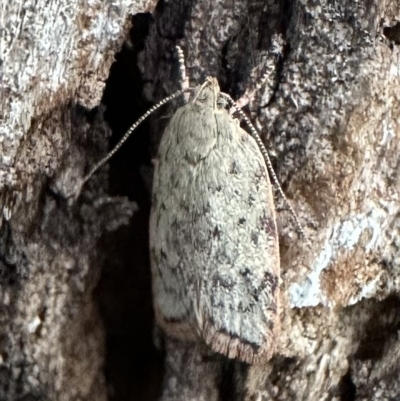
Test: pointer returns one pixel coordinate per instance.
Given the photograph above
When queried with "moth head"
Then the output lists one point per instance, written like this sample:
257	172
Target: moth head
208	93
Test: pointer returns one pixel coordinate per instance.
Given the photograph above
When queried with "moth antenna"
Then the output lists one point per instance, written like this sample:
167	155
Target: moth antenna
184	88
182	69
264	152
105	159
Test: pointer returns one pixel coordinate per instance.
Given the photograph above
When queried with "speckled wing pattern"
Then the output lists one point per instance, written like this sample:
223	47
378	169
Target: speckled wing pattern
213	236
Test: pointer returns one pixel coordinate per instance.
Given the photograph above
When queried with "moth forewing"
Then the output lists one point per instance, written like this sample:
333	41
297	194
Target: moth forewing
213	236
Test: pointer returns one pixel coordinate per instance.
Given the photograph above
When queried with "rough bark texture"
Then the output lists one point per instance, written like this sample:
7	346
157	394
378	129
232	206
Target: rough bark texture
54	60
330	118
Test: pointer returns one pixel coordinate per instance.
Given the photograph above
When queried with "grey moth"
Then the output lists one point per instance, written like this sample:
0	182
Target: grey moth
213	237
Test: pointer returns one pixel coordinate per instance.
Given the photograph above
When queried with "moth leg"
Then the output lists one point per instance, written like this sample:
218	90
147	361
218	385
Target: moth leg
269	75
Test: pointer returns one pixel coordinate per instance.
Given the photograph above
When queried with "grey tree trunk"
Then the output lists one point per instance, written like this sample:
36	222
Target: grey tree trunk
75	291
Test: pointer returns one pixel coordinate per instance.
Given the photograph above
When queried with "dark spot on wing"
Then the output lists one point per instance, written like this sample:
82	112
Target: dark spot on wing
184	206
163	254
224	282
251	199
254	237
269	283
217	232
175	225
234	168
267	223
260	175
206	208
244	137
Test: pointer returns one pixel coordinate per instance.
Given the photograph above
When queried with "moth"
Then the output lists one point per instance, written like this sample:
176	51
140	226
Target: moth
213	237
214	246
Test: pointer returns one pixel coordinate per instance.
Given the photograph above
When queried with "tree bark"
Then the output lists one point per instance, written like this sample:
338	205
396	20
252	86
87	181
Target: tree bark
54	60
329	116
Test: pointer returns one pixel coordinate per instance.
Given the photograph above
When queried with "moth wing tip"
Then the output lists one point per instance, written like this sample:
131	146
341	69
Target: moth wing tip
234	347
